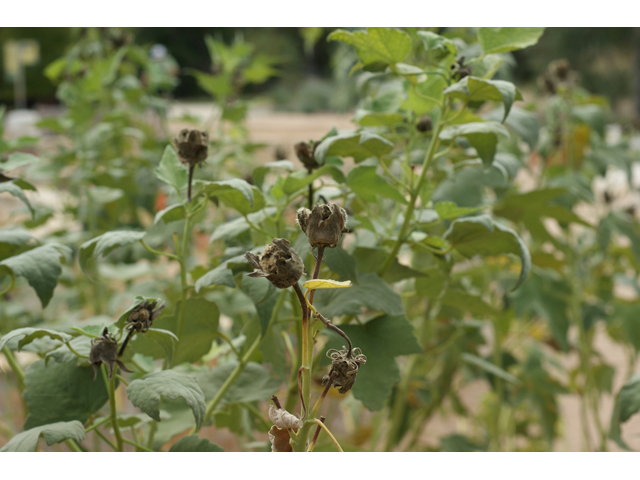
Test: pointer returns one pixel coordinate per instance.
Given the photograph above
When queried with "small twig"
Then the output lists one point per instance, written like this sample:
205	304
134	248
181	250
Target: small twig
191	168
328	432
331	326
304	408
137	445
315	436
322	396
276	402
126	341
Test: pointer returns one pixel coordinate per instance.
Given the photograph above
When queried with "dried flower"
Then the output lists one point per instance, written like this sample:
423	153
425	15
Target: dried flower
192	146
305	153
280	439
280	264
459	70
324	225
141	318
283	419
425	124
104	350
344	367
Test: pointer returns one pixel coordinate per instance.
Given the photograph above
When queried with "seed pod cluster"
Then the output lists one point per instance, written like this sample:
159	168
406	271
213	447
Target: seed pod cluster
344	367
192	146
280	264
324	225
104	349
141	318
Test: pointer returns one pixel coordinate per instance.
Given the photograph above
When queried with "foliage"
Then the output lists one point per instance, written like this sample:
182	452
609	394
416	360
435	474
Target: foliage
427	266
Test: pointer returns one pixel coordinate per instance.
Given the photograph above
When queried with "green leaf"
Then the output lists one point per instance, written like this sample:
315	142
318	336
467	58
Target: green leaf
360	146
221	275
525	123
236	193
41	268
217	86
27	441
449	210
171	171
425	96
366	118
11	240
172	213
155	343
376	47
489	367
482	236
366	183
370	292
433	41
13	189
467	302
627	404
340	262
18	159
193	443
300	179
506	39
28	335
483	136
234	228
105	244
263	295
255	383
61	392
473	89
199	330
145	393
381	340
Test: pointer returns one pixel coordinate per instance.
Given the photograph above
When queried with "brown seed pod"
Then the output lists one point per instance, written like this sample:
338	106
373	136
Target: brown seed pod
324	225
280	264
425	124
104	349
141	318
192	146
305	153
345	366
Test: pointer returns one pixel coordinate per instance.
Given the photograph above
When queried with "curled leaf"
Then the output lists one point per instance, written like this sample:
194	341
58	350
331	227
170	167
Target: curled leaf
320	284
279	438
283	419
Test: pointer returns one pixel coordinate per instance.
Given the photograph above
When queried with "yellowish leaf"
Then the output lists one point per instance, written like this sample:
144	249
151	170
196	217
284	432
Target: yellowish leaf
319	283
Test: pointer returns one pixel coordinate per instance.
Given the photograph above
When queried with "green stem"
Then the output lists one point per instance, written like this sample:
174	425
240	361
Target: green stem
242	363
111	384
433	146
183	277
317	422
96	425
17	369
73	446
158	252
137	445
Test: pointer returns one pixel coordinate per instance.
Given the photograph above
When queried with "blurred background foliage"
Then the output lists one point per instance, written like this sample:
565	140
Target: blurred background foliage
307	64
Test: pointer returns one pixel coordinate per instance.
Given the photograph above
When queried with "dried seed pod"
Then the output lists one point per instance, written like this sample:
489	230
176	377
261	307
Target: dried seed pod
324	225
305	153
141	318
192	146
280	264
459	70
104	350
344	367
560	69
283	419
425	124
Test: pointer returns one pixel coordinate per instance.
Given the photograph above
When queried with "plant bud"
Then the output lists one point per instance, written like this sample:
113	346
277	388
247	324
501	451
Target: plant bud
324	225
279	264
192	146
104	349
141	318
305	154
344	365
425	124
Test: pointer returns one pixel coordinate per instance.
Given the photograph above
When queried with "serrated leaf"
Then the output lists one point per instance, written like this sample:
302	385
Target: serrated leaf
171	171
14	189
353	144
145	393
193	443
473	89
370	292
198	332
255	383
105	244
28	335
27	441
377	47
60	392
482	236
506	39
483	136
41	267
18	159
366	183
319	284
381	340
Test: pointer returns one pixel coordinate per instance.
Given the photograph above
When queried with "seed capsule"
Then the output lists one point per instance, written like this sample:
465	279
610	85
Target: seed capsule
280	264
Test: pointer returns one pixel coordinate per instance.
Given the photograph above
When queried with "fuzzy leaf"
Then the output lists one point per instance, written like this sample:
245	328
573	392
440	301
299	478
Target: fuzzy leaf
255	383
14	189
105	244
27	441
28	335
483	136
473	89
506	39
193	443
41	267
366	183
353	144
171	171
145	393
19	159
377	47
